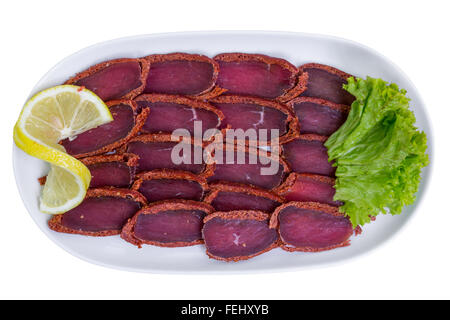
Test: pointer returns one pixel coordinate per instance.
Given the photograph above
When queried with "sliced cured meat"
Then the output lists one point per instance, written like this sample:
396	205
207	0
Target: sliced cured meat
238	235
103	212
111	170
259	75
311	226
258	114
176	223
249	167
114	79
319	116
155	152
227	196
184	74
308	187
326	82
307	154
169	113
167	184
109	136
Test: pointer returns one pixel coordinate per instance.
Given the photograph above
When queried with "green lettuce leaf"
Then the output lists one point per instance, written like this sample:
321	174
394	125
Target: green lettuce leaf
378	151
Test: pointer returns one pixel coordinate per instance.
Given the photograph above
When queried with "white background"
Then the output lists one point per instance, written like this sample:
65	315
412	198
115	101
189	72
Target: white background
35	35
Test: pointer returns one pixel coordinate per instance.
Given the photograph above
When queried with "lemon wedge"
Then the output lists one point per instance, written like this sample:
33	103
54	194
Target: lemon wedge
52	115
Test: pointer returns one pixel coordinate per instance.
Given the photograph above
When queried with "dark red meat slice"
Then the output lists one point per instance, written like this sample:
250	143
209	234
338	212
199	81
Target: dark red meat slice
326	82
247	172
155	152
170	226
163	189
259	75
256	114
115	173
308	187
229	196
183	74
111	170
311	226
107	137
307	154
238	235
169	113
114	79
103	212
175	223
319	116
170	184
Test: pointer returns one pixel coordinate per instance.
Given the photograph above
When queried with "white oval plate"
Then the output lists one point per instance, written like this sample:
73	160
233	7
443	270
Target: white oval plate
297	48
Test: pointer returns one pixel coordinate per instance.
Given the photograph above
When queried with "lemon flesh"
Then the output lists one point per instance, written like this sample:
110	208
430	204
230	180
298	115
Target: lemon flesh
52	115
